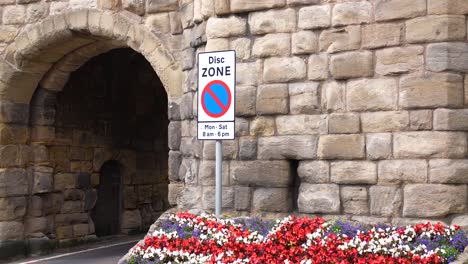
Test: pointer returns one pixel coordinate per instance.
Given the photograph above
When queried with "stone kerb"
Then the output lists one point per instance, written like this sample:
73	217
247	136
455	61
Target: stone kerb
82	34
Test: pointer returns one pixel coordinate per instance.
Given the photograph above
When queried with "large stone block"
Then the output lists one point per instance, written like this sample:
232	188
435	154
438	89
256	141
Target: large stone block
447	56
242	48
351	13
174	192
371	95
399	60
247	5
226	27
352	65
354	200
262	126
333	97
402	171
242	197
451	119
174	134
64	181
421	120
208	198
319	198
341	147
435	28
314	171
385	121
301	124
248	148
448	171
13	182
434	200
272	200
131	219
272	99
379	146
278	44
11	230
431	90
248	73
14	15
246	96
385	200
343	123
13	208
313	17
35	225
153	6
273	21
43	180
397	9
304	42
261	173
287	147
279	70
341	39
206	172
318	67
12	134
381	35
303	98
429	145
447	7
353	172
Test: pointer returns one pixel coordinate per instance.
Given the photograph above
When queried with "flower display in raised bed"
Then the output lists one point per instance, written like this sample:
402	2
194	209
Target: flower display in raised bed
186	238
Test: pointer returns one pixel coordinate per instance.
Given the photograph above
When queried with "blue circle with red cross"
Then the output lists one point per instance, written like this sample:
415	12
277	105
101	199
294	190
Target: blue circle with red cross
216	98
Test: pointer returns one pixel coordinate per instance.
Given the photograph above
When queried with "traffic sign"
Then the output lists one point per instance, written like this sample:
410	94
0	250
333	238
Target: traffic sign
216	95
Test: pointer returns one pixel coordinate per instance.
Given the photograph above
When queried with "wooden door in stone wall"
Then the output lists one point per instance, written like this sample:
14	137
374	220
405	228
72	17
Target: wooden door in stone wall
106	214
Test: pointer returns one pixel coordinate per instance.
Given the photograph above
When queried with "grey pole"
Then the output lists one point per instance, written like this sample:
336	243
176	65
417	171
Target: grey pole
219	177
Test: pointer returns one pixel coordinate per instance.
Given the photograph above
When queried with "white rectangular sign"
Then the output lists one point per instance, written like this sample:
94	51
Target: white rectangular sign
216	95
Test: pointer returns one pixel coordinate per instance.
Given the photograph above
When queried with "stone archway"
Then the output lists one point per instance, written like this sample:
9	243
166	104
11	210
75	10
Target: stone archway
44	55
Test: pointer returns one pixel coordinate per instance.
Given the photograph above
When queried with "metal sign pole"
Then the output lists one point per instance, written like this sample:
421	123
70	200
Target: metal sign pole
219	177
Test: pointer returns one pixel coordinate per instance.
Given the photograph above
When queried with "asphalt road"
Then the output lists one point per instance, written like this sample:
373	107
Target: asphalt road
105	254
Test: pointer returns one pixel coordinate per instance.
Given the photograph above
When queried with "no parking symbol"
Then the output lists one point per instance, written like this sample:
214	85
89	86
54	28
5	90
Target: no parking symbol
216	95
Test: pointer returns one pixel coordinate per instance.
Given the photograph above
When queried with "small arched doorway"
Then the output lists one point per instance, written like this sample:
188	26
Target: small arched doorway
107	212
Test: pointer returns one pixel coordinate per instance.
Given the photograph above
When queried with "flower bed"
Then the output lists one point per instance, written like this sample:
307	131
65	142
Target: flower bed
186	238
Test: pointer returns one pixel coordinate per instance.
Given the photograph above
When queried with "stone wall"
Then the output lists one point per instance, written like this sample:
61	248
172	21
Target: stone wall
344	108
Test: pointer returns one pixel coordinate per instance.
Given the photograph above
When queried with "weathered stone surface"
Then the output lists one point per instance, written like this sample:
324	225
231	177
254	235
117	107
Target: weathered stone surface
318	198
261	173
70	207
385	121
242	197
242	48
247	5
159	23
272	99
399	60
11	230
35	206
217	44
174	164
272	200
262	126
247	73
287	147
353	172
314	171
448	171
278	70
381	35
301	124
13	182
385	200
354	200
225	27
341	39
13	15
246	96
318	67
154	6
175	190
429	145
80	230
462	221
333	96
450	119
208	198
13	208
421	120
434	200
341	147
134	6
272	21
352	65
302	2
131	219
351	13
278	44
313	17
43	179
206	172
447	56
304	42
52	203
303	98
447	7
248	148
64	181
35	225
343	123
396	9
435	28
431	90
402	171
379	146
